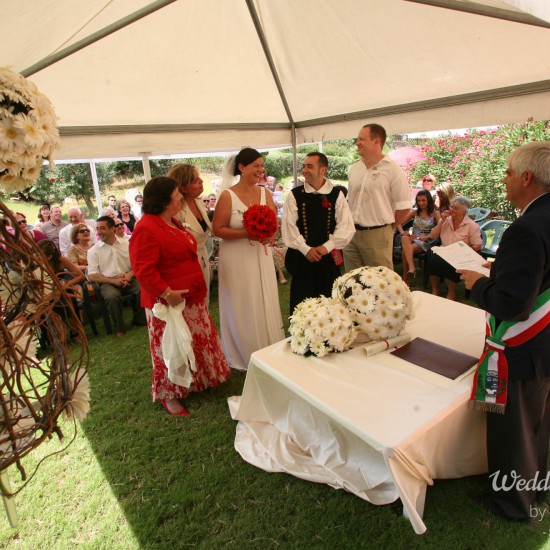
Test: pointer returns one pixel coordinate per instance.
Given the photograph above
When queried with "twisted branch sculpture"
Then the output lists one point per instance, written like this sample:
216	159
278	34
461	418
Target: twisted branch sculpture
33	393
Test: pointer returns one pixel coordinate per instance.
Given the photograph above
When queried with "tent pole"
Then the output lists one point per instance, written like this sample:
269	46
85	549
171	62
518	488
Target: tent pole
96	187
488	11
294	157
269	58
146	166
94	37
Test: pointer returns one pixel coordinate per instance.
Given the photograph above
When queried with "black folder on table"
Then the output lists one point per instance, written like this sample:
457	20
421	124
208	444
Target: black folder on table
436	358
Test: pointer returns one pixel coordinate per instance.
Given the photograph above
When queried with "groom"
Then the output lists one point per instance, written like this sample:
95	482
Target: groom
517	440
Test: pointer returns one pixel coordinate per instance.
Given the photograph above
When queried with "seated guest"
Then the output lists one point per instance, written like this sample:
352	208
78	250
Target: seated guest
111	201
81	238
43	215
109	211
212	198
71	277
54	225
136	209
166	263
444	194
455	226
428	182
109	266
425	219
125	215
33	234
76	217
120	230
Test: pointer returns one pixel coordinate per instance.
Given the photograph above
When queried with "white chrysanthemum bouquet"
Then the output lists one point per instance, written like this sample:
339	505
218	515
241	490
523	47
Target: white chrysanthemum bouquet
319	326
28	131
378	300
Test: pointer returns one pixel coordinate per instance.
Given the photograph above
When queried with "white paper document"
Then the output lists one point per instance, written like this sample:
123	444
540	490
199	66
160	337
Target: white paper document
461	256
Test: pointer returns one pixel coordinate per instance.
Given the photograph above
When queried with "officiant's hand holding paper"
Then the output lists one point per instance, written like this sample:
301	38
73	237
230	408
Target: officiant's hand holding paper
470	277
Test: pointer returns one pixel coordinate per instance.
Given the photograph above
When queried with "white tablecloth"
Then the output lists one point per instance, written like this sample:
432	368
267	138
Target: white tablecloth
357	423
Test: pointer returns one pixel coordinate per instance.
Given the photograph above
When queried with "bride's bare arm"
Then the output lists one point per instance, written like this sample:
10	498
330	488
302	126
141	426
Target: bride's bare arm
222	215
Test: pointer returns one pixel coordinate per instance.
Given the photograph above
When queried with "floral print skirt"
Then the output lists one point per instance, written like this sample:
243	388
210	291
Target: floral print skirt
212	367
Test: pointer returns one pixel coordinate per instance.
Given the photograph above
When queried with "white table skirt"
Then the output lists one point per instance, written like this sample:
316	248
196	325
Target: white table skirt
361	424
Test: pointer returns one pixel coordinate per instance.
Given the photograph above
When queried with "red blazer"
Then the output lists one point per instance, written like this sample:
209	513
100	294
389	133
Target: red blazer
162	257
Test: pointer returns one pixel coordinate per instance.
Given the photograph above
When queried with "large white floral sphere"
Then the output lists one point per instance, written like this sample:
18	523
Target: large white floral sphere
319	326
28	131
379	301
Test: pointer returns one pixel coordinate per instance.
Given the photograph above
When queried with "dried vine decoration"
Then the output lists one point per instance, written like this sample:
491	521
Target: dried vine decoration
34	393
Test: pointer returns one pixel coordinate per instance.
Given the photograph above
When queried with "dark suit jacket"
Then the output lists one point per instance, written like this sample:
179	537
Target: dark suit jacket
521	271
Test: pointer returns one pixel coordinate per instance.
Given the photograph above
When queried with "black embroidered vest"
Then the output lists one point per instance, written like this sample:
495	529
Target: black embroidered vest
316	215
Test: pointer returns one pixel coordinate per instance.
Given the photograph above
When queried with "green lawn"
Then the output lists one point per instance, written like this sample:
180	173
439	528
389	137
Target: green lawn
137	478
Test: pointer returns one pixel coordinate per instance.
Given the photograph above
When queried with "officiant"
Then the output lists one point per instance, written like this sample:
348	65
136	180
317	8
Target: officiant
517	295
455	226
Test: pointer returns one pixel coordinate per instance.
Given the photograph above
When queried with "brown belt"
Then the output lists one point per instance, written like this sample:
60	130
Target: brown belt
361	228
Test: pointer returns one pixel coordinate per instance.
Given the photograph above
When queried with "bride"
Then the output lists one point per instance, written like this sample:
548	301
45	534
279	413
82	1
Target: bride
250	316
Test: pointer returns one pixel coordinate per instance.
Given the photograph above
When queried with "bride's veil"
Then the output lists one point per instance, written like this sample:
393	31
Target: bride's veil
228	179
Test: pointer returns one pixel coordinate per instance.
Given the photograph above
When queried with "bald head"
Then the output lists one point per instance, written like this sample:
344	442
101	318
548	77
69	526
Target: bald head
75	215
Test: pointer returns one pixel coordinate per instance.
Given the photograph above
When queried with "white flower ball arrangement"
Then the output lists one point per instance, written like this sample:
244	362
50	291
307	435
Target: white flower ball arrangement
378	300
319	326
28	131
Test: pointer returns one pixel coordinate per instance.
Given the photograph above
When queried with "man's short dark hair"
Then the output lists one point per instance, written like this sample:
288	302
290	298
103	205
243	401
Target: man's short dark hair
322	158
377	131
108	220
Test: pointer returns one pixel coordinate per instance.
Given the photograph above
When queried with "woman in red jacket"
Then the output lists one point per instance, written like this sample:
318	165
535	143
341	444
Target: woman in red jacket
165	263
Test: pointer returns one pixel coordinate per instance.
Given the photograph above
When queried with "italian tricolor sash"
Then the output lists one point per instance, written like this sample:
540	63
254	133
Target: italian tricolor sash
490	385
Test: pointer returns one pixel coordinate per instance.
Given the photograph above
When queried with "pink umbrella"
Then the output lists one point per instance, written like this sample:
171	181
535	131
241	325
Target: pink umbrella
406	156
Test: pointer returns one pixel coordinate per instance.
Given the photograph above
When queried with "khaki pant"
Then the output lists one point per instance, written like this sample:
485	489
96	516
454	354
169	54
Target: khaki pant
370	248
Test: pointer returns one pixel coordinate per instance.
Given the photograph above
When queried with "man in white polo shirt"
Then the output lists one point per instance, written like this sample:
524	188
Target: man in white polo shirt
378	196
109	266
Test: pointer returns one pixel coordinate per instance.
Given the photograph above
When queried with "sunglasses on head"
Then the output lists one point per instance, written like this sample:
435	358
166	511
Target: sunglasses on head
83	230
119	225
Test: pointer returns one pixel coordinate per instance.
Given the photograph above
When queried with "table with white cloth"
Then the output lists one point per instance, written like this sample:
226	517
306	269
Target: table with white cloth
378	427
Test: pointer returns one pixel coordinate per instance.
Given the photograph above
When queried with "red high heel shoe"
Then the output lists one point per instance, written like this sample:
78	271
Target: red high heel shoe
183	412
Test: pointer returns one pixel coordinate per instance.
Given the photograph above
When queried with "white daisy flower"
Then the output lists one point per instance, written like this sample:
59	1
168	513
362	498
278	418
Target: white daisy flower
33	134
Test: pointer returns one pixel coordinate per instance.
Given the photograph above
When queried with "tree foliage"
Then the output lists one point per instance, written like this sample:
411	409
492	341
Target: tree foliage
71	180
475	163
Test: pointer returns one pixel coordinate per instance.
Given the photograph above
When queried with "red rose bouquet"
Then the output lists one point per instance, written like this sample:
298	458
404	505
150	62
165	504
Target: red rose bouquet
260	222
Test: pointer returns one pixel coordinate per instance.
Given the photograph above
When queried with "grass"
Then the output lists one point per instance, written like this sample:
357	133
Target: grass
136	478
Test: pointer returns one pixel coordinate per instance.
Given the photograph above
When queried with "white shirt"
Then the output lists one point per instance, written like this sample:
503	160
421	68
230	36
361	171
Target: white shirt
343	231
374	194
65	238
109	260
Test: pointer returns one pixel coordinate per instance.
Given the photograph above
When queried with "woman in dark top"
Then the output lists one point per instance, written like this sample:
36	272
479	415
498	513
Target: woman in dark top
125	215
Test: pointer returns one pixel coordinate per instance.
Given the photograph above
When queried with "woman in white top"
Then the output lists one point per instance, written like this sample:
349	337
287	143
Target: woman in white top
193	215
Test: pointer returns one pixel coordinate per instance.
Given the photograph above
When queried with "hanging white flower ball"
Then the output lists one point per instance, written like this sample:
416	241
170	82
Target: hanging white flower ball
28	131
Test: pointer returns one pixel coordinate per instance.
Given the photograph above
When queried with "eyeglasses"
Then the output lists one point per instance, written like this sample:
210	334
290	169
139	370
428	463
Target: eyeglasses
119	225
83	230
428	179
22	222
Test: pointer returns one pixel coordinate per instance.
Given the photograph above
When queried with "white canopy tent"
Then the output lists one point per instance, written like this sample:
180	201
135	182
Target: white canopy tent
179	76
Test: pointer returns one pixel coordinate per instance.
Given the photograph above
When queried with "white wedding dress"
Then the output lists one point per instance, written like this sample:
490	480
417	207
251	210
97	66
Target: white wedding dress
250	316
